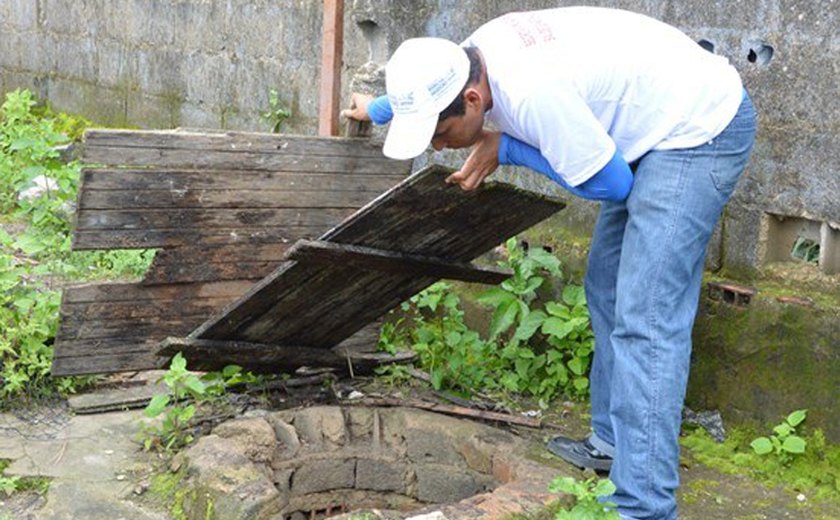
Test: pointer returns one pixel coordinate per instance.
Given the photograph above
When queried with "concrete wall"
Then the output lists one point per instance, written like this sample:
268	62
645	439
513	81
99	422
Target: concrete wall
211	63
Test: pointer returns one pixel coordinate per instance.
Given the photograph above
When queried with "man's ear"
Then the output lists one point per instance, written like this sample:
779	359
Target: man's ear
473	97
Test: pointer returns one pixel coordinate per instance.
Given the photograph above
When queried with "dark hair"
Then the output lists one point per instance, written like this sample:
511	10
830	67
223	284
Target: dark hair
457	107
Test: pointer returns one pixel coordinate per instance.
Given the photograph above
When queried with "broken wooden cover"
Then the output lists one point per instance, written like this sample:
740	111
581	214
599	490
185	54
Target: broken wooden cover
318	304
221	207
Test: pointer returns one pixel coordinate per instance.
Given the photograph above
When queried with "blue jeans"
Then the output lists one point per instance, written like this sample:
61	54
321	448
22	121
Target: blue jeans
642	287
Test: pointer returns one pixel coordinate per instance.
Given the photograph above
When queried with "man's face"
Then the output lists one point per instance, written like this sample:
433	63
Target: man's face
460	131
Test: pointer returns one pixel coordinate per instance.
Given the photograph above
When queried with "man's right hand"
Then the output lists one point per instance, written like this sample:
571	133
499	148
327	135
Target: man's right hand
358	107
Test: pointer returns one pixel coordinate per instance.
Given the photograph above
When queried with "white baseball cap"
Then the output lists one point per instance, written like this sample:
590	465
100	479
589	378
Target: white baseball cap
422	78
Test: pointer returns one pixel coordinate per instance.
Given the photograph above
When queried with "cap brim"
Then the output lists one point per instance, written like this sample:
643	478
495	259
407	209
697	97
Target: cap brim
409	136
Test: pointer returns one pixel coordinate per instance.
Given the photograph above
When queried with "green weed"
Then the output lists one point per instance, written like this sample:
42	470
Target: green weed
816	472
589	495
277	113
784	443
177	407
36	256
534	349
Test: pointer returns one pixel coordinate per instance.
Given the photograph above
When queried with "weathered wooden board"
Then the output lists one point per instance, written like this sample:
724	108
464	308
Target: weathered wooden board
318	305
207	355
223	208
206	263
233	151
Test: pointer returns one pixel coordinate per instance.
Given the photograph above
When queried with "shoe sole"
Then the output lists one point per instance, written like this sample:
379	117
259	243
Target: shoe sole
580	462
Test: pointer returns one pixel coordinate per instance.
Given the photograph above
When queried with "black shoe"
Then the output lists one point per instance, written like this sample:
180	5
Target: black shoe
580	453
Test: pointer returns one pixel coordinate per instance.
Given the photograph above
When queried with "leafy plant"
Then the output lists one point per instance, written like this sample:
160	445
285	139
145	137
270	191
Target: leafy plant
8	485
589	494
277	114
784	443
393	374
173	431
177	407
551	347
536	349
37	194
454	355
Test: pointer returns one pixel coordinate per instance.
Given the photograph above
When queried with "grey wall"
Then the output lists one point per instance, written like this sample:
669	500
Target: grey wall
211	63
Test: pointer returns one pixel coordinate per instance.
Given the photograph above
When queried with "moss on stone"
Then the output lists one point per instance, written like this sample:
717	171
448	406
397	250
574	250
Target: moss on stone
759	362
169	488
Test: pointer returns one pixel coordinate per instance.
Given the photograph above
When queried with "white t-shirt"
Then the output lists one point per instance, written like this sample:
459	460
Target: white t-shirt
575	82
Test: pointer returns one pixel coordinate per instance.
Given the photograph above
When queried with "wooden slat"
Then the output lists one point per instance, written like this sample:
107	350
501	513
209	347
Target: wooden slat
309	305
200	198
234	151
107	359
93	293
230	141
117	219
209	355
237	160
365	258
176	237
168	179
201	263
120	355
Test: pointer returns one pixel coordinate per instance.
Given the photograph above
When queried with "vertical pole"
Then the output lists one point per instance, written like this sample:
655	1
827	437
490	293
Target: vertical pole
332	47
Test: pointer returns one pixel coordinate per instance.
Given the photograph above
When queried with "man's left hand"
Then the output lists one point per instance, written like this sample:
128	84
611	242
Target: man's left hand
483	160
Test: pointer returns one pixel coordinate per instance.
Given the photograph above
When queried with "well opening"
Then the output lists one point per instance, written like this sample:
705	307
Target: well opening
327	460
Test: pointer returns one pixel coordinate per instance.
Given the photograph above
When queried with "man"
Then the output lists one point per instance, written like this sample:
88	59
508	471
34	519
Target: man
617	107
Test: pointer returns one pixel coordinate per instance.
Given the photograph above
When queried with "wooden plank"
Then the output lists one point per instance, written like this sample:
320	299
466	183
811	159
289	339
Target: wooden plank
208	272
332	46
110	355
209	355
365	258
118	219
201	263
310	305
176	237
115	399
230	141
129	292
168	179
108	361
204	198
239	160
